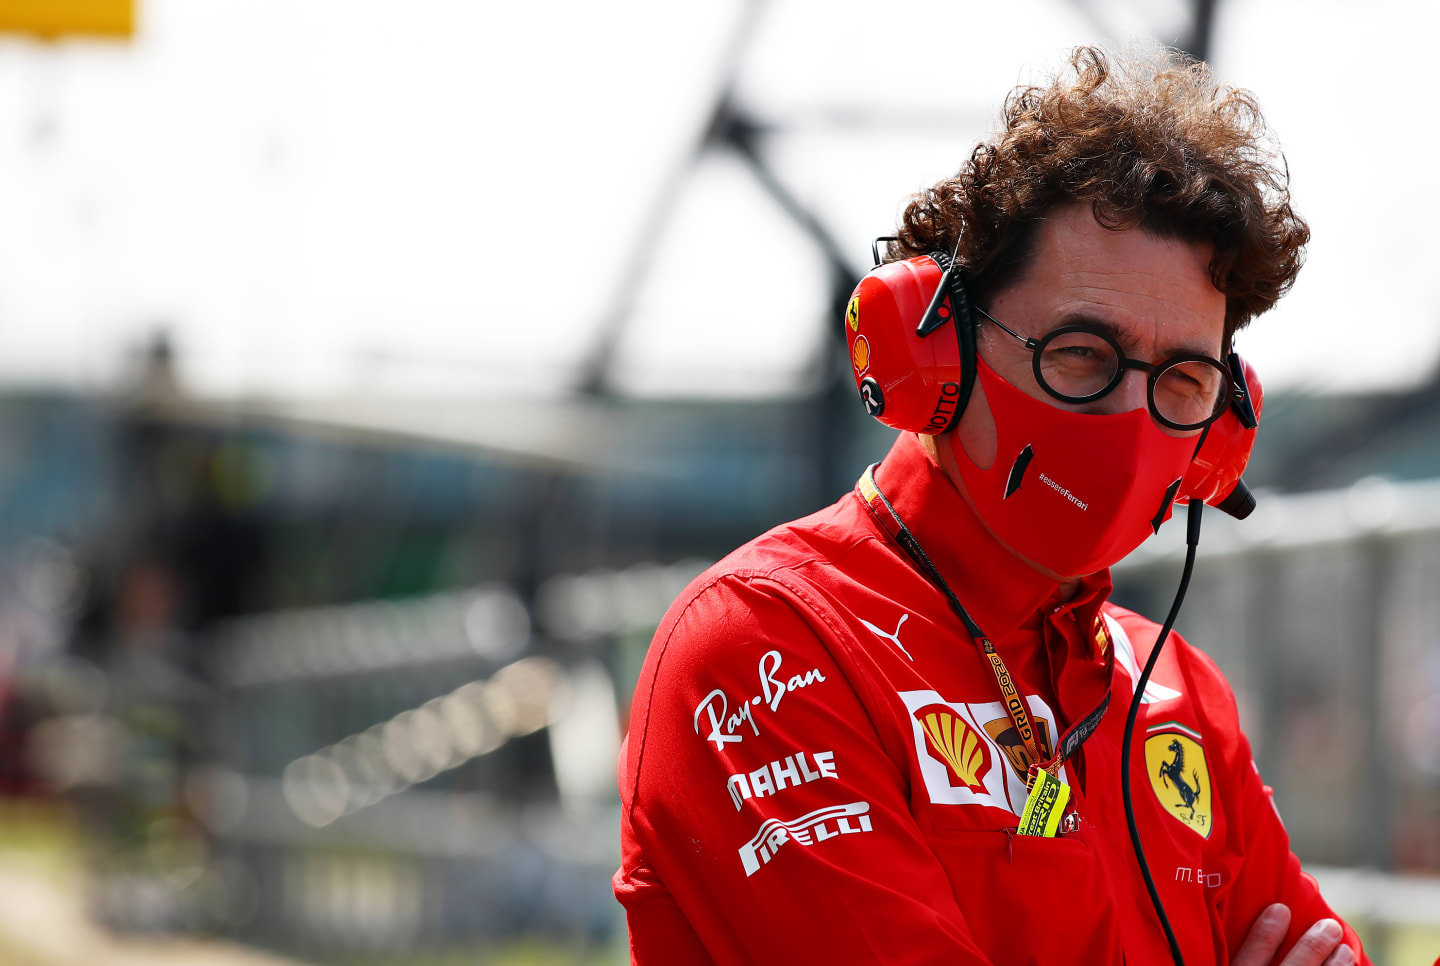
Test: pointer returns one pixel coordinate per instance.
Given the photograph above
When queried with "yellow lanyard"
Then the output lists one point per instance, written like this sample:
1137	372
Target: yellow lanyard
889	521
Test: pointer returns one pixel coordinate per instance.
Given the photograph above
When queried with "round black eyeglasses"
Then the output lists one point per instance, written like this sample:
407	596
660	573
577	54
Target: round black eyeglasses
1082	363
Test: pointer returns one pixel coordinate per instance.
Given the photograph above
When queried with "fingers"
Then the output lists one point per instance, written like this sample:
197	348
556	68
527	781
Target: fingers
1266	934
1317	945
1342	956
1320	946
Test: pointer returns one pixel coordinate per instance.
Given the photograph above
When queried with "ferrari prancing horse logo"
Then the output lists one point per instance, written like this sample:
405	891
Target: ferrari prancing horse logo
1179	774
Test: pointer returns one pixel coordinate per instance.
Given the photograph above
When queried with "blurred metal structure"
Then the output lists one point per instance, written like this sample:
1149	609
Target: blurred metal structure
733	128
1389	908
399	775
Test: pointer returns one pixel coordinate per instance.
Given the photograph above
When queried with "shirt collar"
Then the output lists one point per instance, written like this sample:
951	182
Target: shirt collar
999	591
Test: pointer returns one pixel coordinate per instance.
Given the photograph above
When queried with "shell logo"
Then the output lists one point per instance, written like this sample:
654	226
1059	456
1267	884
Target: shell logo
956	744
860	353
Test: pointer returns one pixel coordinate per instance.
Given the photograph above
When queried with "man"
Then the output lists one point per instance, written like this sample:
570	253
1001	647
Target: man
825	763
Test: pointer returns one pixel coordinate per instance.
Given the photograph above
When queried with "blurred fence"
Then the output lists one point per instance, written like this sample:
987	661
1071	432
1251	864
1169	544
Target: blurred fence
365	781
1397	916
430	773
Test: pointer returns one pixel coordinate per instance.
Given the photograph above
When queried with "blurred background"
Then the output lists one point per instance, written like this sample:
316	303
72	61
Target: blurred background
373	374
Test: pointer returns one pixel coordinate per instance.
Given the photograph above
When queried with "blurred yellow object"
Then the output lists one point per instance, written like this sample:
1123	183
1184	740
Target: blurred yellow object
54	19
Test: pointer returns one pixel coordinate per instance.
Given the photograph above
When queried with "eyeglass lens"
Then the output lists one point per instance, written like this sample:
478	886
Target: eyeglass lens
1081	364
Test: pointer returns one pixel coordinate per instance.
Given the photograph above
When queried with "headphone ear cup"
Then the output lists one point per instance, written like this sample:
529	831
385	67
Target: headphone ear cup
910	380
1215	471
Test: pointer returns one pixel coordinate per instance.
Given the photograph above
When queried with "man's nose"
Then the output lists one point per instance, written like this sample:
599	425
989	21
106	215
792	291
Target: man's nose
1132	393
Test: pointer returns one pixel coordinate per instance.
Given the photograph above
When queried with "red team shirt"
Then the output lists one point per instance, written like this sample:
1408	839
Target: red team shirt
819	768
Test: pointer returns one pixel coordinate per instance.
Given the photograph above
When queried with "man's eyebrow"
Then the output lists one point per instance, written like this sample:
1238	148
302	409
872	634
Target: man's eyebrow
1126	340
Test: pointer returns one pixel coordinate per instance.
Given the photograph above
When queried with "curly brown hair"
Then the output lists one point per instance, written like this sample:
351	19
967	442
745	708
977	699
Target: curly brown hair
1149	140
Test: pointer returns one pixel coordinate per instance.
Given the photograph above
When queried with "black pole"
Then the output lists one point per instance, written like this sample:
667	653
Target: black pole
594	370
1202	27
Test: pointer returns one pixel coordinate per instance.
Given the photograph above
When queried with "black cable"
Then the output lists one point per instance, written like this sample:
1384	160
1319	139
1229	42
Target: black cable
1192	540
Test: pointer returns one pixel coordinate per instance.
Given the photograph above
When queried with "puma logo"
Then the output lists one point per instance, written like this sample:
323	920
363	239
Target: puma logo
891	637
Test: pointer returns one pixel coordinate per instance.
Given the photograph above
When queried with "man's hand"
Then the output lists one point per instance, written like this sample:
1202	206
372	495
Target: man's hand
1320	946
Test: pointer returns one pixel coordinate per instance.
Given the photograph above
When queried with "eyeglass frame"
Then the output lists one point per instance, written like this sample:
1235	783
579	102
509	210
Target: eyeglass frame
1230	394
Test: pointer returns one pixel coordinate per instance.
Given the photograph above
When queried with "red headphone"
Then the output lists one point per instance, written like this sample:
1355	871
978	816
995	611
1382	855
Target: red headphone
915	377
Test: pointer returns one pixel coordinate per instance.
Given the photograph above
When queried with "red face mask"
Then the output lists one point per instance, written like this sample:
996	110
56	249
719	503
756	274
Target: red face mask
1072	492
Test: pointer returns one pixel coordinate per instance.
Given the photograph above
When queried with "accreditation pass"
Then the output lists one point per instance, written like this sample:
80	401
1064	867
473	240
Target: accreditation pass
1044	806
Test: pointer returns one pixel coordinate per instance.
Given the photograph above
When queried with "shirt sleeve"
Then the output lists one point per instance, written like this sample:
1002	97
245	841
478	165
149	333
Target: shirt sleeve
1268	871
1272	873
762	819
